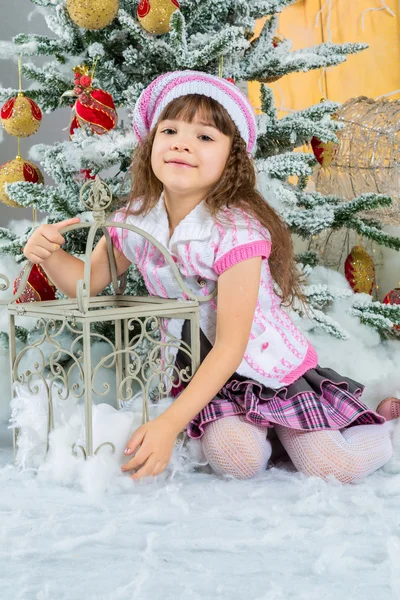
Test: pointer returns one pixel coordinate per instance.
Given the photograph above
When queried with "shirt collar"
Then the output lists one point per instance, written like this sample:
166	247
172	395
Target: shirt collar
197	225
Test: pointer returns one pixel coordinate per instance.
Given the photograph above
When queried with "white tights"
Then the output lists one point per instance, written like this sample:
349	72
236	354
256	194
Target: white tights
233	445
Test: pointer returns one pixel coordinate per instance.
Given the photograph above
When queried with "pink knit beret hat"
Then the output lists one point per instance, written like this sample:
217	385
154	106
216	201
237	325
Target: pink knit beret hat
169	86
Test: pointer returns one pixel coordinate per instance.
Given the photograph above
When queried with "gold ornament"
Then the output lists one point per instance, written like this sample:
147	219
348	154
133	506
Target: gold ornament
359	270
92	14
21	116
16	170
154	15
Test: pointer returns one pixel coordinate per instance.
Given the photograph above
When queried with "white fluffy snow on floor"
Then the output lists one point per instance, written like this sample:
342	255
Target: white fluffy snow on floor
81	530
74	529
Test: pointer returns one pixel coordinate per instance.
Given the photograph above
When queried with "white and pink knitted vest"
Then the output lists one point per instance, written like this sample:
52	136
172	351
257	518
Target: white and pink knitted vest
277	352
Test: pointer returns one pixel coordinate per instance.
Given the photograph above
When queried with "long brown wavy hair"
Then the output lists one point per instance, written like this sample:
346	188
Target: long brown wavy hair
235	188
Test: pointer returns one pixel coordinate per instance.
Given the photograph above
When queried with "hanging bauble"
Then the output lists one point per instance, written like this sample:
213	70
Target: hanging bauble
14	171
96	109
359	270
38	287
21	116
93	107
84	175
324	152
74	125
154	15
92	14
393	297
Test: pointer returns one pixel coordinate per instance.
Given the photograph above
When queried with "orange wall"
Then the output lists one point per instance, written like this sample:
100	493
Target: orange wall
373	72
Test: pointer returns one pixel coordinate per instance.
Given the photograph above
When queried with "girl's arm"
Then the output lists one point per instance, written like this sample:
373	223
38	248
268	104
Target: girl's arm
237	300
64	270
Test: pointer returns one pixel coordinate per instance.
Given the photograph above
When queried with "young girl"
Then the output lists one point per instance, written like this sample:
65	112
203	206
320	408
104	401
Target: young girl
194	191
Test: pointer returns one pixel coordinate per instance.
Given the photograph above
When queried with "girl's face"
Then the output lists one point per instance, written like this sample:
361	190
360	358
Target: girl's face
189	157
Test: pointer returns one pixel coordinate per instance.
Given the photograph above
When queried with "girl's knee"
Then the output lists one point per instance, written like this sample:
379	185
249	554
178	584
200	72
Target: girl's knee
237	448
349	457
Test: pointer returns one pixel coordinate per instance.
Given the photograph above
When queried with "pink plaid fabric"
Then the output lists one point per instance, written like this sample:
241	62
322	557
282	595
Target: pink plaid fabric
333	407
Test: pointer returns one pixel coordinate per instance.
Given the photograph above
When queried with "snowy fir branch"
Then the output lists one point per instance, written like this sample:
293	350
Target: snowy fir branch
48	76
208	13
375	234
363	305
46	198
326	323
320	296
330	212
14	248
283	166
60	23
260	8
278	61
43	2
307	259
40	45
367	201
6	93
377	317
295	129
6	234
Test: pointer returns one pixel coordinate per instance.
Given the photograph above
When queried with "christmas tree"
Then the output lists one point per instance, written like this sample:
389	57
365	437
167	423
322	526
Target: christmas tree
116	49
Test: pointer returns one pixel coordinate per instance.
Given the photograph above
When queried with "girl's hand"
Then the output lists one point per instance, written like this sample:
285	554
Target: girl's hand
45	240
156	440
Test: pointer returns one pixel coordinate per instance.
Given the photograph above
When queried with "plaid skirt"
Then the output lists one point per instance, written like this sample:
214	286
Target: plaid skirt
320	399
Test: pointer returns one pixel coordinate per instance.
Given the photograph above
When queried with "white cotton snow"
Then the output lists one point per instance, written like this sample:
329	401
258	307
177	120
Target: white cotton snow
73	529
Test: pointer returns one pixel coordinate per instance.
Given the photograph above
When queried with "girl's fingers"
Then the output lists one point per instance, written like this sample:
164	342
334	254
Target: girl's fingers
53	237
67	222
50	233
42	253
47	245
35	259
138	460
159	468
146	469
135	441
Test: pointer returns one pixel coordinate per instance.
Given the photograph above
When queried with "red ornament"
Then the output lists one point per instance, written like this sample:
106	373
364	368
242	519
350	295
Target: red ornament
86	174
324	152
74	125
359	270
38	287
96	109
393	297
85	81
231	80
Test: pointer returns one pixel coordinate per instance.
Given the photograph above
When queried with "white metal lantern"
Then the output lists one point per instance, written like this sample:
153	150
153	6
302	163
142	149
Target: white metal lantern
141	353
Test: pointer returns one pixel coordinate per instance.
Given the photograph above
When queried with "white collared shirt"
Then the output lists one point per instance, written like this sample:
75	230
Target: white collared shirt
277	352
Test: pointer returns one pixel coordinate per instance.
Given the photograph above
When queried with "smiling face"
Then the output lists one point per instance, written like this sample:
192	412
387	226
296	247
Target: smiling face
189	157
